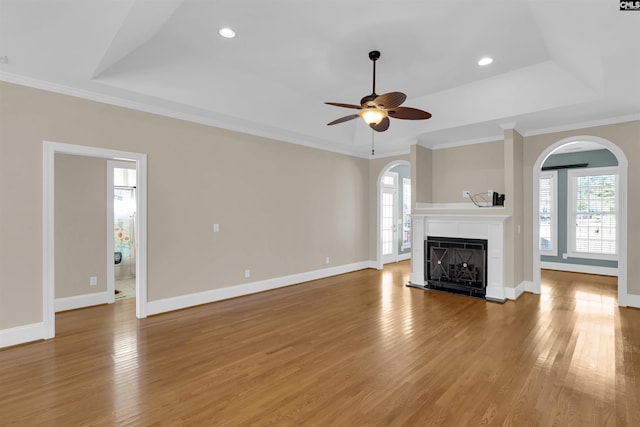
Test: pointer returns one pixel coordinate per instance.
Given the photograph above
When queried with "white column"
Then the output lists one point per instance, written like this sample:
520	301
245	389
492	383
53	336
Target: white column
417	249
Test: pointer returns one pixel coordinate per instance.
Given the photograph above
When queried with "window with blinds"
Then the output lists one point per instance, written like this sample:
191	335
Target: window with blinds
593	212
548	213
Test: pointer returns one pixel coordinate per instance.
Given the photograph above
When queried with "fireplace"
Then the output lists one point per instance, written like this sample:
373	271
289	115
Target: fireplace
475	228
456	265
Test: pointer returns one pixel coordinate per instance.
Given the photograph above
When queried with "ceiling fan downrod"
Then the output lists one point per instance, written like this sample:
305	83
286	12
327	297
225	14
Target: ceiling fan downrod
374	55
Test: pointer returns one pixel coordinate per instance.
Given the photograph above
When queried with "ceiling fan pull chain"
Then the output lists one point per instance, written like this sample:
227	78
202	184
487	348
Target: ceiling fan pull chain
373	152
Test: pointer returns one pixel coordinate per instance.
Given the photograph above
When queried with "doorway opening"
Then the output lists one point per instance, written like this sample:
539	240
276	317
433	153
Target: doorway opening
121	194
580	214
394	213
50	149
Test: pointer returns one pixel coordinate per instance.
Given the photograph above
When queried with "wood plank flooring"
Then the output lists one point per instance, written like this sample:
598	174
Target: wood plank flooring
360	349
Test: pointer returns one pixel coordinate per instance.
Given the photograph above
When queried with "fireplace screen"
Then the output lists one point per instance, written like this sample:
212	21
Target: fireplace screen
457	265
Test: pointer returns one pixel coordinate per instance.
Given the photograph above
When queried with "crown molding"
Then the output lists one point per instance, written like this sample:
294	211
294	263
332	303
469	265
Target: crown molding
263	132
584	125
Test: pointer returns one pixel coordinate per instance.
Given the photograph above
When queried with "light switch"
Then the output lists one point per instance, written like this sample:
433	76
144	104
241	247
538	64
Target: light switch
216	228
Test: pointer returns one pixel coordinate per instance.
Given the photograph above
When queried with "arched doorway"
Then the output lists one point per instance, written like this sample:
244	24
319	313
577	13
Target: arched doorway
393	225
621	228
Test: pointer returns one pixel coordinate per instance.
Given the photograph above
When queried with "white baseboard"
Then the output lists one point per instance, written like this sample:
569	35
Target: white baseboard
404	257
80	301
528	287
21	334
184	301
579	268
514	293
632	300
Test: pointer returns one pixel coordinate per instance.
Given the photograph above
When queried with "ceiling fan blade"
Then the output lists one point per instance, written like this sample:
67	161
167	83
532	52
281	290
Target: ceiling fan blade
339	104
343	119
390	100
382	126
408	113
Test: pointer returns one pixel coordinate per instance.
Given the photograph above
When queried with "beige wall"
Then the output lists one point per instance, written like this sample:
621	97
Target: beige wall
80	218
475	168
421	175
513	161
282	208
627	137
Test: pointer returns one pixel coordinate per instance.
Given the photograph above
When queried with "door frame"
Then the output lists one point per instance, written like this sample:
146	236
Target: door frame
384	170
49	150
621	231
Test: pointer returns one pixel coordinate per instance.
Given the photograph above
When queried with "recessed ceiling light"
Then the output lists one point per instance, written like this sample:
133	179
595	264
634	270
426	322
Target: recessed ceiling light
227	33
485	61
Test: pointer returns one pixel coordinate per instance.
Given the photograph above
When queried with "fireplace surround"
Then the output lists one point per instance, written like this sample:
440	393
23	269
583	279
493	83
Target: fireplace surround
461	226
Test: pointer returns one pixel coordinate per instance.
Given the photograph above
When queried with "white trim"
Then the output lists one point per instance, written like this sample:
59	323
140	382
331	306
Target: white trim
384	170
579	268
514	293
49	149
534	132
422	206
373	264
48	247
205	297
405	256
583	125
633	300
21	334
484	140
621	231
528	287
81	301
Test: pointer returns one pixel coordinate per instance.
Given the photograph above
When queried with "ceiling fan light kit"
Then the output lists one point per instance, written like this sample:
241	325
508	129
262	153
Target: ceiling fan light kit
373	116
376	109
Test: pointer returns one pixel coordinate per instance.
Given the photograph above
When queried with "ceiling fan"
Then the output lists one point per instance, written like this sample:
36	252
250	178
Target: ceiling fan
376	109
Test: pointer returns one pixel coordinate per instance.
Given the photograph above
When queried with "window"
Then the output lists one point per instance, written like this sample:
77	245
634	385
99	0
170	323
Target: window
593	205
389	179
406	213
548	213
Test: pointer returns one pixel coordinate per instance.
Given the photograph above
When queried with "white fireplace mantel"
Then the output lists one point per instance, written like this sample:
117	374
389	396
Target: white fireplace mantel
469	226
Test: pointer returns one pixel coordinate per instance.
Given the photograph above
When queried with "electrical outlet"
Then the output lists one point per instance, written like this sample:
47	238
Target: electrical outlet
466	194
216	228
247	273
328	260
93	280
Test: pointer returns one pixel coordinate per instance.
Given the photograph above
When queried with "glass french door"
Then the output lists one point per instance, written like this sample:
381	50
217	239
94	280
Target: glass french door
388	223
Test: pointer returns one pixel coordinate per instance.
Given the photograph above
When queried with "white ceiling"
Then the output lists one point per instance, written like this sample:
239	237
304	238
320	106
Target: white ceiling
557	63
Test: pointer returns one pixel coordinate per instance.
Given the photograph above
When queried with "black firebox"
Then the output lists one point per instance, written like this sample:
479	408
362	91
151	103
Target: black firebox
456	265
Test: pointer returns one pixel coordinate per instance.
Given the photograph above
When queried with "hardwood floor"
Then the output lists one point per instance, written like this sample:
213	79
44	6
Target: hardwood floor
351	350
